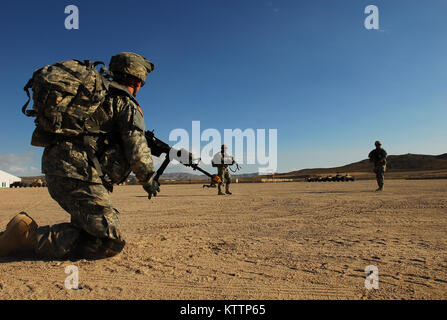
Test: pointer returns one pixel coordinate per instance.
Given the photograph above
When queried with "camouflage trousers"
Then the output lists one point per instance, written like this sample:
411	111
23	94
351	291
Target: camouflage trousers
225	177
94	230
380	175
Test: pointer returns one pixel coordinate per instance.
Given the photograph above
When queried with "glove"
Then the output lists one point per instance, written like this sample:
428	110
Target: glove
151	187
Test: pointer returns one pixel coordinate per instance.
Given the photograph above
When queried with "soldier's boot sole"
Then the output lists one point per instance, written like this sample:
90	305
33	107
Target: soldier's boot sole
20	234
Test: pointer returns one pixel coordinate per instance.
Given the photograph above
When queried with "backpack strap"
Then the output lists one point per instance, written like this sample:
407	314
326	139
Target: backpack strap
87	140
28	113
90	148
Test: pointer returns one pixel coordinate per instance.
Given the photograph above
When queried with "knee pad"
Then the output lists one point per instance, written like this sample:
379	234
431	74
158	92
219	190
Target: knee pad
98	248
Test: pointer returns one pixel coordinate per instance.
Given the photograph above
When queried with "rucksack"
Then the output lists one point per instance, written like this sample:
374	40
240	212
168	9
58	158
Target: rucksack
65	95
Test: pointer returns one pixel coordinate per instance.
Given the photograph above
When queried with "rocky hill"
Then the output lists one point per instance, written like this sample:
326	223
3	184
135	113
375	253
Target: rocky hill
396	163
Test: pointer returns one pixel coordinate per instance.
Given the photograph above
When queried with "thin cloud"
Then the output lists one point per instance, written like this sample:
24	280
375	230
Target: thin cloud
19	164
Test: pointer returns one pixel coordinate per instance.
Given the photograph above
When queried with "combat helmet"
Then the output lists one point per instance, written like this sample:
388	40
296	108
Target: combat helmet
378	143
129	63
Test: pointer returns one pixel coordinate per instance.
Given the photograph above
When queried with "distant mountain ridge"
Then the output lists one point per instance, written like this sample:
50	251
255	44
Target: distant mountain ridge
182	176
395	163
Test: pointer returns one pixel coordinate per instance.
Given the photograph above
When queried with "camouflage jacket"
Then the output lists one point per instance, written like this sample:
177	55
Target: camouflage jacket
221	160
118	142
378	156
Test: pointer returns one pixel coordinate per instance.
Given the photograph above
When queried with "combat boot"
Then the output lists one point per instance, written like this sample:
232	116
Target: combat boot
20	234
228	192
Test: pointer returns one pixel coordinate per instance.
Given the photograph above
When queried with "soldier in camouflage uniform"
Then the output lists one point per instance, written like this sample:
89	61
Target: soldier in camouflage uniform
378	157
222	160
79	175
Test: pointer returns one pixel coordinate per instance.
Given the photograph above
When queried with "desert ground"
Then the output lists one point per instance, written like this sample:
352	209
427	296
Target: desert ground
266	241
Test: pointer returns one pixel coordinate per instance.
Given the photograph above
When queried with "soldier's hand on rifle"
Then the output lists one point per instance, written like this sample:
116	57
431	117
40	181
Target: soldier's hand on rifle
151	187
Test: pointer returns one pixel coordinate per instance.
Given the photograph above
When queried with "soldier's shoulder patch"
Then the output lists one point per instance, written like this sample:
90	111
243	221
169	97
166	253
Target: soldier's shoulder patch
140	111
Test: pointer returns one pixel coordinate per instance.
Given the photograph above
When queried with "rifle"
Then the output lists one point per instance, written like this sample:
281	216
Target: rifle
217	165
238	167
183	156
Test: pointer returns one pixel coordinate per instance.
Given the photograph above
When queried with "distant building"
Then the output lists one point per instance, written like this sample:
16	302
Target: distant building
6	179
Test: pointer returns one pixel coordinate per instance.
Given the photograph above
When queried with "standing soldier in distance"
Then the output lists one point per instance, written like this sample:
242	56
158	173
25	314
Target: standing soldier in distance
222	160
378	157
74	181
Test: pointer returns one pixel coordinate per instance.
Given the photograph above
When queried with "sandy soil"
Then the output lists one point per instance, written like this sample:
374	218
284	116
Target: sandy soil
266	241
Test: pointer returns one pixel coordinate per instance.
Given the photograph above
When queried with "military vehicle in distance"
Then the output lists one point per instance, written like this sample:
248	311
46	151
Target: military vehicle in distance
314	179
18	184
37	183
344	178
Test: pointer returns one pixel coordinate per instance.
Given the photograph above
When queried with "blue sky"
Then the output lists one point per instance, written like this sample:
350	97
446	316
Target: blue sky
306	68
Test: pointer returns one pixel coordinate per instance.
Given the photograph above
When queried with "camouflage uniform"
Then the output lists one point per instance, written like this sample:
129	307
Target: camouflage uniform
378	157
222	160
75	183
